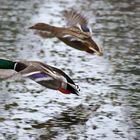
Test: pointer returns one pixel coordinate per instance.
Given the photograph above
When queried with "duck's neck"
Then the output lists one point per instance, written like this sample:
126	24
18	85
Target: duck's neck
7	64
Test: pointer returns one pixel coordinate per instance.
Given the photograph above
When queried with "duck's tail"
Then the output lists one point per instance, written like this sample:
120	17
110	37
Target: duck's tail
73	88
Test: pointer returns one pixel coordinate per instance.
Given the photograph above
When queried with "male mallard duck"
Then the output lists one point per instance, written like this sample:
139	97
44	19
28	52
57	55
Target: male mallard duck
43	74
76	34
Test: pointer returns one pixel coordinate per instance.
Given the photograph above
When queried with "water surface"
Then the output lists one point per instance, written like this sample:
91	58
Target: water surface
108	106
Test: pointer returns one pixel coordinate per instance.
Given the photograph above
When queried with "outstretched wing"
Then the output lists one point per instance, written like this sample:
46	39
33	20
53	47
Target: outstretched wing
35	71
41	75
62	73
75	19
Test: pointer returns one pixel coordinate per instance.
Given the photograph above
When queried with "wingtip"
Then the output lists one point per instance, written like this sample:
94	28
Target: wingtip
76	93
100	54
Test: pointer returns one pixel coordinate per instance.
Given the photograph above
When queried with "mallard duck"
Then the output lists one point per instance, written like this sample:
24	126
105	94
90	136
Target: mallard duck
77	33
43	74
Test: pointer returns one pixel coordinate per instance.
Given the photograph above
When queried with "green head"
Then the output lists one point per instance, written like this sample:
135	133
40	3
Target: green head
6	64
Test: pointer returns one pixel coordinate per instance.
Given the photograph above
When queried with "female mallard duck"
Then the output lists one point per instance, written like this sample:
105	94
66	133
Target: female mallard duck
76	34
43	74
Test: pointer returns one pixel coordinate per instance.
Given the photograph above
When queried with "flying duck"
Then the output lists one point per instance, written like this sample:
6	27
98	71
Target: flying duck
45	75
76	34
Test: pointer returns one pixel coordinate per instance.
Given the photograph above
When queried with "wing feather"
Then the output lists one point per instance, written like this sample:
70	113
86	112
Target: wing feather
75	19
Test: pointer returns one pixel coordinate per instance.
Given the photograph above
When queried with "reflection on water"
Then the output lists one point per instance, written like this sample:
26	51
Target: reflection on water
108	106
67	120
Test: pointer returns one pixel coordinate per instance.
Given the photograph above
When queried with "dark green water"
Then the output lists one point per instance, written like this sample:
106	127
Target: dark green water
108	106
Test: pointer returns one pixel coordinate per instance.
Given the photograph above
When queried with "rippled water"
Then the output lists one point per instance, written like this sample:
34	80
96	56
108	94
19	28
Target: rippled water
108	106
